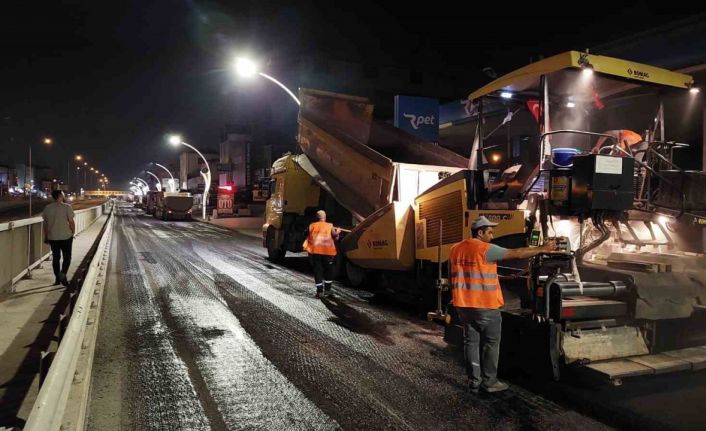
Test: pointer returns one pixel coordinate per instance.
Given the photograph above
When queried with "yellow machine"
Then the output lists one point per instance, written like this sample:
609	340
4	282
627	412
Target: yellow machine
617	302
627	299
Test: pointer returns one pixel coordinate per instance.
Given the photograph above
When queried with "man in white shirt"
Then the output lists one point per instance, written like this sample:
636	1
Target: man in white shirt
59	228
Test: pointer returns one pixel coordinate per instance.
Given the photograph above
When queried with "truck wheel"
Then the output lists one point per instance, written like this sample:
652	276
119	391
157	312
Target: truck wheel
274	253
356	275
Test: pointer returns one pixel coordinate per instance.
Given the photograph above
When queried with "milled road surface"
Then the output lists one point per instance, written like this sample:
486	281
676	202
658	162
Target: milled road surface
200	331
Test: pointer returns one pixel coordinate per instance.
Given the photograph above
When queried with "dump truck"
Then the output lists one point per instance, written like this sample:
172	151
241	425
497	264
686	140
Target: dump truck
173	206
352	167
149	202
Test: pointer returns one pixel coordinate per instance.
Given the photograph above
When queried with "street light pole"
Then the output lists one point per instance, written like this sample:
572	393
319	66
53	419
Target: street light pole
30	182
176	140
159	184
281	86
247	68
171	184
46	141
143	182
77	158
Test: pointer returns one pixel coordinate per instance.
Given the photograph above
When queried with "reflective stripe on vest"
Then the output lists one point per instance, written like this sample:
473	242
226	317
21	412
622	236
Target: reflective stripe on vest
320	240
474	281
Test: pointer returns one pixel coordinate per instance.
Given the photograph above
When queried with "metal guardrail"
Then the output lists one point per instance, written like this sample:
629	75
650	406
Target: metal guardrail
22	241
62	397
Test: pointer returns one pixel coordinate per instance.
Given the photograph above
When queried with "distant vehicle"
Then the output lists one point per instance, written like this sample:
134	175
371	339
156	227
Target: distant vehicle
173	206
150	202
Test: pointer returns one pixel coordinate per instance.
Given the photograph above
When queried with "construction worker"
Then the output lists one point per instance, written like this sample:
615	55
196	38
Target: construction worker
322	251
476	295
625	139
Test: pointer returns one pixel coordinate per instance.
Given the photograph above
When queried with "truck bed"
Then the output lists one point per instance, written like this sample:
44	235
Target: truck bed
355	158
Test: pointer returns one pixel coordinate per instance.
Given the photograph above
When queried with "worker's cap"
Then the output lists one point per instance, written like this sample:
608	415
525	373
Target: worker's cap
482	221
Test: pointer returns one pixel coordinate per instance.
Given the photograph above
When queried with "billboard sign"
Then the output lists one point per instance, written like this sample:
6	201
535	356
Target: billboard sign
418	116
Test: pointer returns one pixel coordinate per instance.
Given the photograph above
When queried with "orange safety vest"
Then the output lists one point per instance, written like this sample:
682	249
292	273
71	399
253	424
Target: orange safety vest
626	138
320	240
474	281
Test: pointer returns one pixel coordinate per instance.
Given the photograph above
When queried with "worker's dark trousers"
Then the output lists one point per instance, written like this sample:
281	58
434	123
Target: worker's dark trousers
60	249
323	270
481	330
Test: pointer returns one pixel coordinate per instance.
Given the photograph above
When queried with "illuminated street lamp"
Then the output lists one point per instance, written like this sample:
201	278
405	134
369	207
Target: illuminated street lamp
176	140
159	182
248	68
142	183
171	182
45	141
77	158
138	191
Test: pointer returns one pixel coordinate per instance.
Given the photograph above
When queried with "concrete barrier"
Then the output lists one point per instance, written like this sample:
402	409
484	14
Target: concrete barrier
63	397
22	245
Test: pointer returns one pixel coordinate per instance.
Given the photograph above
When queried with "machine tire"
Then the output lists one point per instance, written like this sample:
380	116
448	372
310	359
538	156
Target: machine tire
357	276
275	254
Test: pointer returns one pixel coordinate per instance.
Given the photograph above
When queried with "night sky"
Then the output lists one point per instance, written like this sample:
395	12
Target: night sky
108	80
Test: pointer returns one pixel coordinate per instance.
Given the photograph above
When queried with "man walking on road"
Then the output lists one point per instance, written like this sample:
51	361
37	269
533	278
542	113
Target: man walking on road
322	251
59	231
477	297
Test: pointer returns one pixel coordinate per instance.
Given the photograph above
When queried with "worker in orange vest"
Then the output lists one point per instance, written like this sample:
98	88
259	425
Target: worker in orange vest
476	295
322	251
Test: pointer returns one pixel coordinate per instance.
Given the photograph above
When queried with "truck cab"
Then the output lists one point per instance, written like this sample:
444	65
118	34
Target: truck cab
294	198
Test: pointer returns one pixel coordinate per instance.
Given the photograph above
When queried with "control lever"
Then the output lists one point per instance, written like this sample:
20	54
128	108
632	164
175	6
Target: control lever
563	245
442	284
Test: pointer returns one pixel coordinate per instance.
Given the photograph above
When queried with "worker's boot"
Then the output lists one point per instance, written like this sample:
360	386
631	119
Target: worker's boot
474	385
319	291
498	386
327	288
